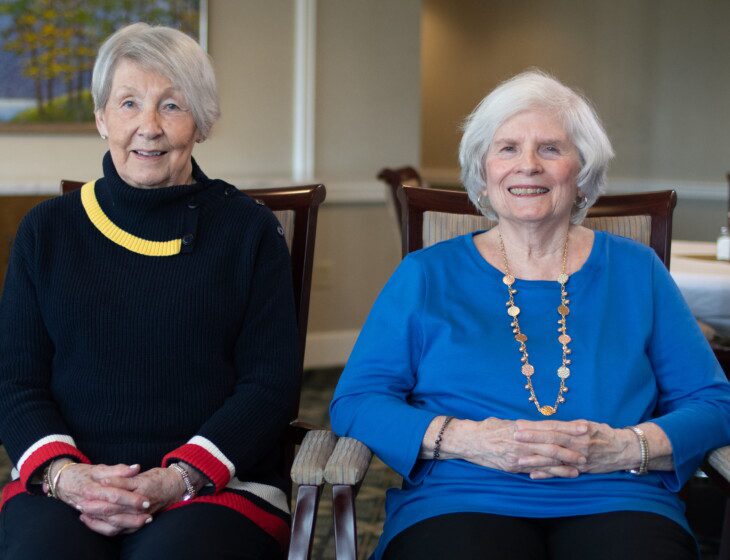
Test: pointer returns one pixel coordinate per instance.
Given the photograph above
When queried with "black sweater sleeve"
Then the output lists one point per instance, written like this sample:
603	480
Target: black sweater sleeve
251	420
31	426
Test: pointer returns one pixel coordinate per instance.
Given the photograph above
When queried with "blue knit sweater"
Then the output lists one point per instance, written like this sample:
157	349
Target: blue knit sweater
110	356
438	341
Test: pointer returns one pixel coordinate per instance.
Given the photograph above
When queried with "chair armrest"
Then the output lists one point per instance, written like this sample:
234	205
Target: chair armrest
297	429
348	463
309	464
719	459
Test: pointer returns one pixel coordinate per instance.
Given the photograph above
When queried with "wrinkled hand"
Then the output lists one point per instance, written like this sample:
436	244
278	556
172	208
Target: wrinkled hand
106	509
604	448
162	487
494	443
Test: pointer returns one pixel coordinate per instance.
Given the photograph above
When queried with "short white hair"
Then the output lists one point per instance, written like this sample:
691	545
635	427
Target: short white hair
171	54
535	90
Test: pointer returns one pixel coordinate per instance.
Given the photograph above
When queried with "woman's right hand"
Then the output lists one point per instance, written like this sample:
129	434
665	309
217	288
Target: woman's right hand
491	443
106	509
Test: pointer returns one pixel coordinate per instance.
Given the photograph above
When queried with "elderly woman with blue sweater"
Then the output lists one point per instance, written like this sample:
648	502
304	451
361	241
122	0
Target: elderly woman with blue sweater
543	388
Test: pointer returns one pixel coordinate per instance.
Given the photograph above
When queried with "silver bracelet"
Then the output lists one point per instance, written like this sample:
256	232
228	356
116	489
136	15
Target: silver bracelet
644	445
190	491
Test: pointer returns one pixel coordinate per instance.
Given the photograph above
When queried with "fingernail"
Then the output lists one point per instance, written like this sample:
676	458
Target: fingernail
78	507
135	466
145	505
148	520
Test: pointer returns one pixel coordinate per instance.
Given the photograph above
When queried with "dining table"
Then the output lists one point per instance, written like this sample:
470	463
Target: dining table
704	282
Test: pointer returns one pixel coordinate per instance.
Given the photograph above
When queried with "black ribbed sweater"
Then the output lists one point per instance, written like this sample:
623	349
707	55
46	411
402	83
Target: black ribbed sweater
133	355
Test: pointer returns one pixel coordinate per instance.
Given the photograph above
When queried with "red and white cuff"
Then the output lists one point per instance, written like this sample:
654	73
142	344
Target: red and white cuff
205	456
44	450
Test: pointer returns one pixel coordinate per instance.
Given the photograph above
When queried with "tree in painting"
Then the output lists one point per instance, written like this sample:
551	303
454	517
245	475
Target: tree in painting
47	50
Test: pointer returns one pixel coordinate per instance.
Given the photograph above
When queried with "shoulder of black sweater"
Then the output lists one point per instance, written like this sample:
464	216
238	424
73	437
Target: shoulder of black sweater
56	210
250	211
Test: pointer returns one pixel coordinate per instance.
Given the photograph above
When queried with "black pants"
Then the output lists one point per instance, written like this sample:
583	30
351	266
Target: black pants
37	527
622	535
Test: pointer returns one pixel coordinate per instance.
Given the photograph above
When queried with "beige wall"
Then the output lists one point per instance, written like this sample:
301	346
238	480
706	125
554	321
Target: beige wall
364	122
656	70
368	86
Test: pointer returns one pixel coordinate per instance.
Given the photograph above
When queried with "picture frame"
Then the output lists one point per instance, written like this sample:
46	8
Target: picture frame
47	53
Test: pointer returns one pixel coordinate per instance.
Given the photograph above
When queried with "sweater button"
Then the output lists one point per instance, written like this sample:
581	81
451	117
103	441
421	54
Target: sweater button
188	239
229	191
192	205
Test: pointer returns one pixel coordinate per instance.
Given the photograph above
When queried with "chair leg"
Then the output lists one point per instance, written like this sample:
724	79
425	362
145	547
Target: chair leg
303	523
343	511
725	536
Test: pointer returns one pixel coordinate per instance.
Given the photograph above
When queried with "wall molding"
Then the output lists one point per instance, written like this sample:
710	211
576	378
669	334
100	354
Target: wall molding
370	191
358	191
329	348
362	191
689	190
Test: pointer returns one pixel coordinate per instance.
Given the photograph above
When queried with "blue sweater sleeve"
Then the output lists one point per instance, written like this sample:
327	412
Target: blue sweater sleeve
694	395
371	400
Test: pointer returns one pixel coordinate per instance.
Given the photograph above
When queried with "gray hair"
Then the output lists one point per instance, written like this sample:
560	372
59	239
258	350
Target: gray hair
530	90
168	52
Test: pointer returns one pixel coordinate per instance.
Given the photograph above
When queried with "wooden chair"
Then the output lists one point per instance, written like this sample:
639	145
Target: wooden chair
296	209
12	210
431	215
648	213
394	178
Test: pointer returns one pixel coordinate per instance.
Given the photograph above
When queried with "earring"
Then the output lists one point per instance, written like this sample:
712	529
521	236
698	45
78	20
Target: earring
104	136
581	202
481	201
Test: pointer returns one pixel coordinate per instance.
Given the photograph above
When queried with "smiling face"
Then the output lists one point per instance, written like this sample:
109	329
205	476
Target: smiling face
150	128
531	169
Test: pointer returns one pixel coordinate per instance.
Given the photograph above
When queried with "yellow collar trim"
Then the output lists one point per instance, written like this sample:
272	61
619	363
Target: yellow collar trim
117	235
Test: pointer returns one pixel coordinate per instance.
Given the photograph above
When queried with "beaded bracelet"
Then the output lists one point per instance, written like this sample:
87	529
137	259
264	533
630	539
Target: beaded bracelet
47	480
644	445
439	437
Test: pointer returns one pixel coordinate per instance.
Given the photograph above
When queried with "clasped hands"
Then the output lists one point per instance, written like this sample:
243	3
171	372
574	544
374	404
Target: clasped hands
118	499
547	448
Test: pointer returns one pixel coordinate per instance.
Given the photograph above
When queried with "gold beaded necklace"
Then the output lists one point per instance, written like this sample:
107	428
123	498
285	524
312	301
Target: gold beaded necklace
564	339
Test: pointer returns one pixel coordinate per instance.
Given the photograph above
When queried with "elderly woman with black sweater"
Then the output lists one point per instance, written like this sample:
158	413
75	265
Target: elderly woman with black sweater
147	338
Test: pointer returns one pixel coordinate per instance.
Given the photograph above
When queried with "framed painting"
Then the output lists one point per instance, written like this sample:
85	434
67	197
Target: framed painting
48	48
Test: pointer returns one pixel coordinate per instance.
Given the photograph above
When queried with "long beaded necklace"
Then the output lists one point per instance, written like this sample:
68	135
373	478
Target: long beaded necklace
564	339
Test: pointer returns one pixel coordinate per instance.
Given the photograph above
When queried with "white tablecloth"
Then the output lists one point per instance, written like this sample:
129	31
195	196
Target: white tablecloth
705	284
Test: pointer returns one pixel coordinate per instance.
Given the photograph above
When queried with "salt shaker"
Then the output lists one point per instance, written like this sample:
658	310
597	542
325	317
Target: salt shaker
723	244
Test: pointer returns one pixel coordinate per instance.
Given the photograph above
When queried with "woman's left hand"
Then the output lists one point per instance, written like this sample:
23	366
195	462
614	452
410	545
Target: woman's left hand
606	449
162	487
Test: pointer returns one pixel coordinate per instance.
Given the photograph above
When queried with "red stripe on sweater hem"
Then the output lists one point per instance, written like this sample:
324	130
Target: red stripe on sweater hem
11	490
203	460
268	522
45	453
